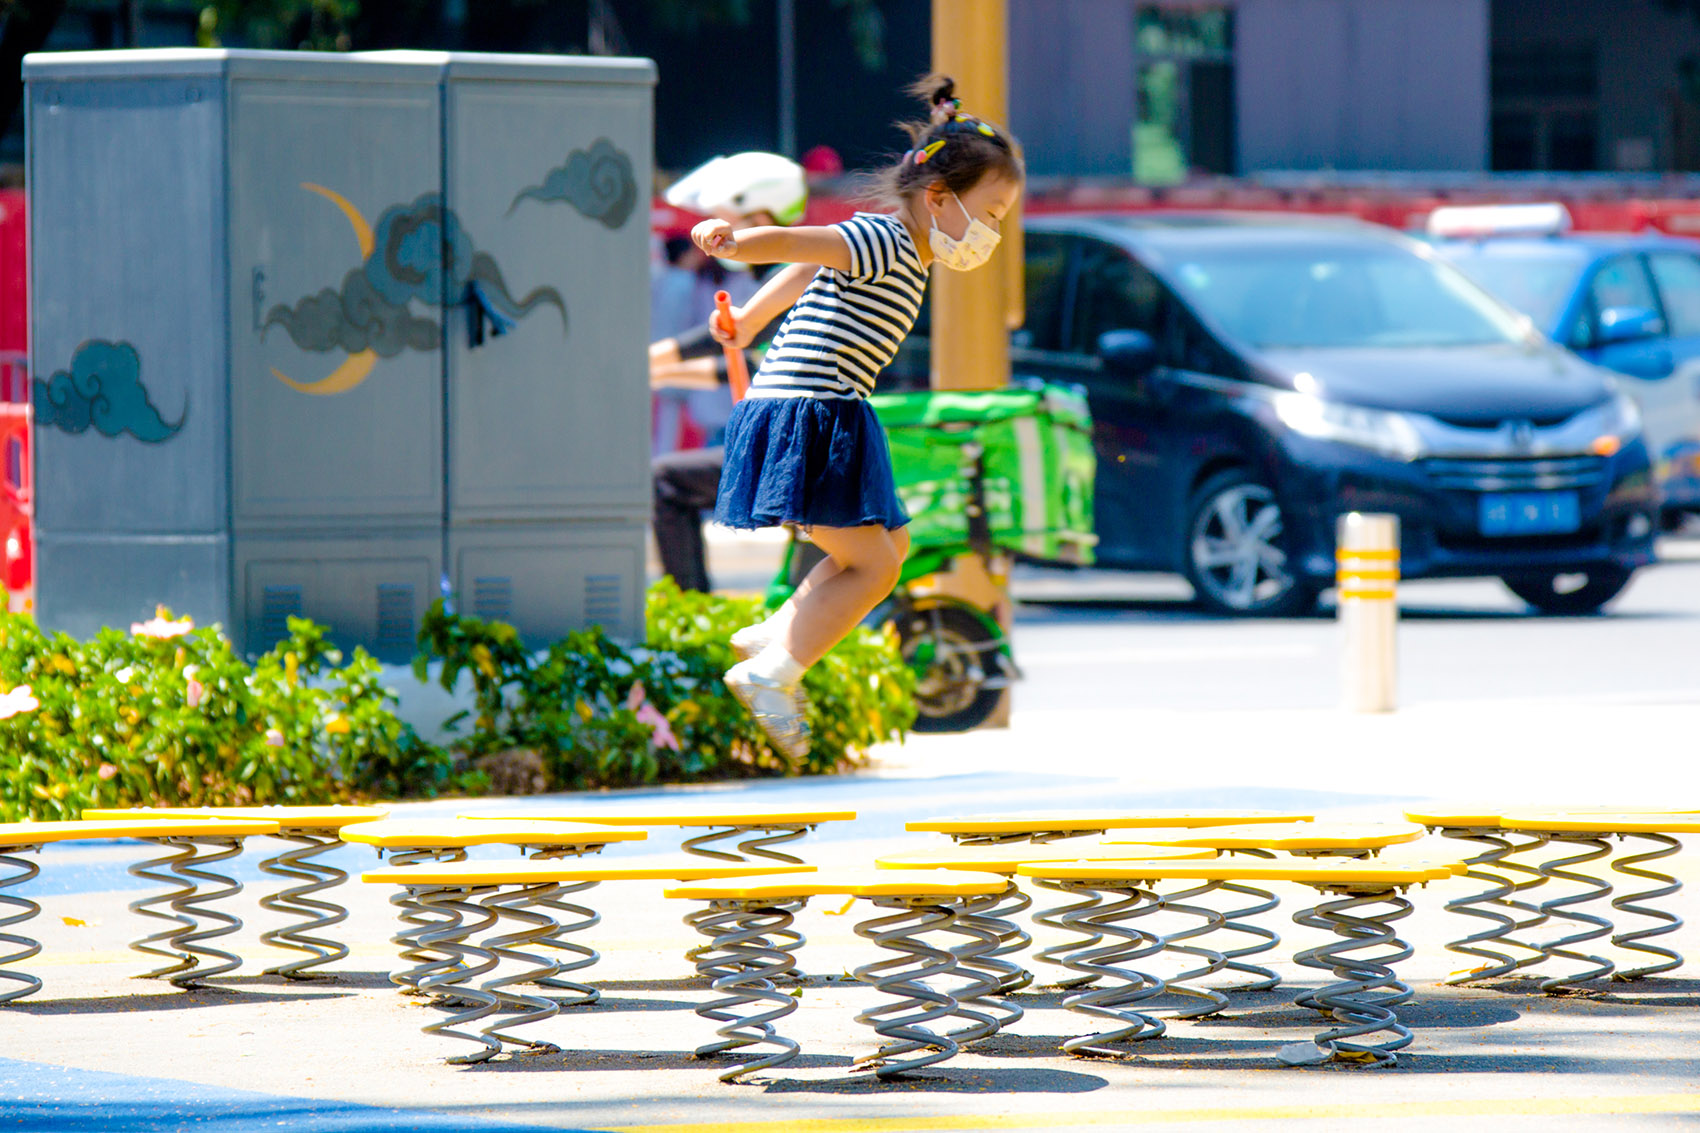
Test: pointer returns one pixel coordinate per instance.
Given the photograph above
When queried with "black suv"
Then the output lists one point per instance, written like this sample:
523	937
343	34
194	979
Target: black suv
1252	378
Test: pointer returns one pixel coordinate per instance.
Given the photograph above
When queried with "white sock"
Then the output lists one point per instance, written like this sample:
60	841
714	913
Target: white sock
776	664
760	631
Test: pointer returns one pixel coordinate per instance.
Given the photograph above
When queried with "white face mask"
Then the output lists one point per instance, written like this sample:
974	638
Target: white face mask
975	247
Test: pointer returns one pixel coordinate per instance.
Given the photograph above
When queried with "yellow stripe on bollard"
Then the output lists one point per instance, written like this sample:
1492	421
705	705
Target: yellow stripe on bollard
1366	581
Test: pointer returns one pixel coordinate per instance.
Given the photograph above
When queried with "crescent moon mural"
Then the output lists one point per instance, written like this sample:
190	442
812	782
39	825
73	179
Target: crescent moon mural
358	366
416	255
362	230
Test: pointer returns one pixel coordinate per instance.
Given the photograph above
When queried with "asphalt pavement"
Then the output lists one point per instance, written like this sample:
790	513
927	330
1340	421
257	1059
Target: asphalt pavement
1132	698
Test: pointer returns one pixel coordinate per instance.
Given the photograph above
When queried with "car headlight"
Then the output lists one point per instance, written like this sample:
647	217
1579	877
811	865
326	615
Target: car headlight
1613	424
1390	434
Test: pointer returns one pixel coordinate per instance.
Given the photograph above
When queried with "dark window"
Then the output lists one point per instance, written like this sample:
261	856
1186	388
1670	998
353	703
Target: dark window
1184	92
1115	293
1545	107
1621	281
1196	349
1047	283
1678	276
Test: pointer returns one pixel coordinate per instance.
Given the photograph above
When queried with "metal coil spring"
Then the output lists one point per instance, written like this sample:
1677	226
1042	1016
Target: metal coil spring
756	845
1486	905
419	919
161	871
1630	864
903	1024
980	976
1115	1001
1012	939
1593	889
741	964
570	918
1362	1002
447	982
1061	918
993	935
297	901
26	946
196	906
1235	920
1181	982
515	905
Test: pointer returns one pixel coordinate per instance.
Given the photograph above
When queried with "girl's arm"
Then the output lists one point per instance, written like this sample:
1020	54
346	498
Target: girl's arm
769	244
781	290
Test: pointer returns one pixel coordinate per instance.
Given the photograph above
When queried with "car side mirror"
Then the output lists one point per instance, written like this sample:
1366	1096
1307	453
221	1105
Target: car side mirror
1626	324
1130	353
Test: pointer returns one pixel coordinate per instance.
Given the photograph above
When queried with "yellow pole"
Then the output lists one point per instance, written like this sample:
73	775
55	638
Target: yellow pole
973	312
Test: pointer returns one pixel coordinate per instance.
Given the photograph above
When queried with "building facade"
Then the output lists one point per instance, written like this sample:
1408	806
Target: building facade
1160	89
1156	90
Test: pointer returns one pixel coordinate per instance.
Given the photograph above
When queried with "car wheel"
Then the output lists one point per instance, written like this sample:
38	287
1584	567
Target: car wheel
1235	559
1571	594
958	669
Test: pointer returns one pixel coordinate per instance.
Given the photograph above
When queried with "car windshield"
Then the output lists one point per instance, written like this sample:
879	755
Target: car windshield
1333	294
1538	283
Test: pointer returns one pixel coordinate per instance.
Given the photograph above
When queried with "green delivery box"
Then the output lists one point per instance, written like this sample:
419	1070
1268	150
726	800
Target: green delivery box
1039	466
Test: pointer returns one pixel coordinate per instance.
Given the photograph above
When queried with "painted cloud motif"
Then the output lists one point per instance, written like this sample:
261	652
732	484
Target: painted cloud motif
598	182
102	391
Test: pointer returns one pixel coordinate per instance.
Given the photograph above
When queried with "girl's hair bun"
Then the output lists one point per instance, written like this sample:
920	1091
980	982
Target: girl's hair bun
935	90
949	146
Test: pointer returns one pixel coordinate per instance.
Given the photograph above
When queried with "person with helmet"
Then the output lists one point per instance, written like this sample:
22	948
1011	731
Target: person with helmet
745	190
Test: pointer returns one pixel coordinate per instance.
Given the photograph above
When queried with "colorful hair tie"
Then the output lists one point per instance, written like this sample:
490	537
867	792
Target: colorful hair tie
970	120
926	151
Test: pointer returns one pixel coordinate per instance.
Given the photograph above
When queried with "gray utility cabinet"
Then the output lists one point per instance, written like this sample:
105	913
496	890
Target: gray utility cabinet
324	334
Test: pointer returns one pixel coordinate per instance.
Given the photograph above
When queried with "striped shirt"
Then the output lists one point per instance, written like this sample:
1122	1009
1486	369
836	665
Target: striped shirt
847	325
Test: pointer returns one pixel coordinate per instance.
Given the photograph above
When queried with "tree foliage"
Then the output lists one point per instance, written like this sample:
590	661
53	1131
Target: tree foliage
307	25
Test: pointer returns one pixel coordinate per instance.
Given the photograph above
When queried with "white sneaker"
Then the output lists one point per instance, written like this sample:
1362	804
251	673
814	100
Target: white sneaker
781	710
750	640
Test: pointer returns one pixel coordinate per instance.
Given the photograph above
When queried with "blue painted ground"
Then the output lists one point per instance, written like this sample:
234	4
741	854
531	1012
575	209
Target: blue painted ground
39	1098
883	805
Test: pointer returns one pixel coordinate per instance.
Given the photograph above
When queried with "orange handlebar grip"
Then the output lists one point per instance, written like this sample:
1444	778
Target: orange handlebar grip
736	370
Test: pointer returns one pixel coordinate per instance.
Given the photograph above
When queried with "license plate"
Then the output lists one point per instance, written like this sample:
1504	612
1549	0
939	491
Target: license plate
1529	513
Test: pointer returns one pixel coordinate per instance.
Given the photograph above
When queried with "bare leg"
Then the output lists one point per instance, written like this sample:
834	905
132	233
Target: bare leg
780	620
869	561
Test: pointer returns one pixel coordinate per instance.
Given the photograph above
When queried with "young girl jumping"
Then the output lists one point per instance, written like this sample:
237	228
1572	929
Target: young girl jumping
804	448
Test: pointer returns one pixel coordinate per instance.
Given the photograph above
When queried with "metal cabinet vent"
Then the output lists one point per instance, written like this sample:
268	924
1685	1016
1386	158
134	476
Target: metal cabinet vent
493	598
602	598
277	605
395	630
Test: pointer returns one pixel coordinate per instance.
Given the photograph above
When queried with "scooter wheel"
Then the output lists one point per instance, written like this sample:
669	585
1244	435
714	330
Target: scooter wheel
954	662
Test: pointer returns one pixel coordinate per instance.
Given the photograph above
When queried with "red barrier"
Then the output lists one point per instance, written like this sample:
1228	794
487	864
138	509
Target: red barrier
1593	208
17	507
14	275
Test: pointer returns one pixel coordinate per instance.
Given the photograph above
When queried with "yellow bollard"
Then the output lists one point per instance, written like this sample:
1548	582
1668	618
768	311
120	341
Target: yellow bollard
1366	579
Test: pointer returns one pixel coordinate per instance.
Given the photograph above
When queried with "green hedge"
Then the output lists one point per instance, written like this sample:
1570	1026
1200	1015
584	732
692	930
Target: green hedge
169	715
604	715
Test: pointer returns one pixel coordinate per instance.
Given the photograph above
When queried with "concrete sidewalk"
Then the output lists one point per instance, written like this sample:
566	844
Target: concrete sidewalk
347	1053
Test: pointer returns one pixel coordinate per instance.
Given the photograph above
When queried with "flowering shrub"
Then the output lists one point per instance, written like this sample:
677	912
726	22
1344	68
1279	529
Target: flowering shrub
169	715
602	714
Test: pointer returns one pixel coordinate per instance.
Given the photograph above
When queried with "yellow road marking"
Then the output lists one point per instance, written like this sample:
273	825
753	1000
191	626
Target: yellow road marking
1456	1107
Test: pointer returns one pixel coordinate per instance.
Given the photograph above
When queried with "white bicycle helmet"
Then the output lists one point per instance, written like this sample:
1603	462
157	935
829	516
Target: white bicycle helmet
742	184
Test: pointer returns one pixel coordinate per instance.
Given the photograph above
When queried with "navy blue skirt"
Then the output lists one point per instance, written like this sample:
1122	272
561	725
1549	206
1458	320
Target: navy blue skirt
808	461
